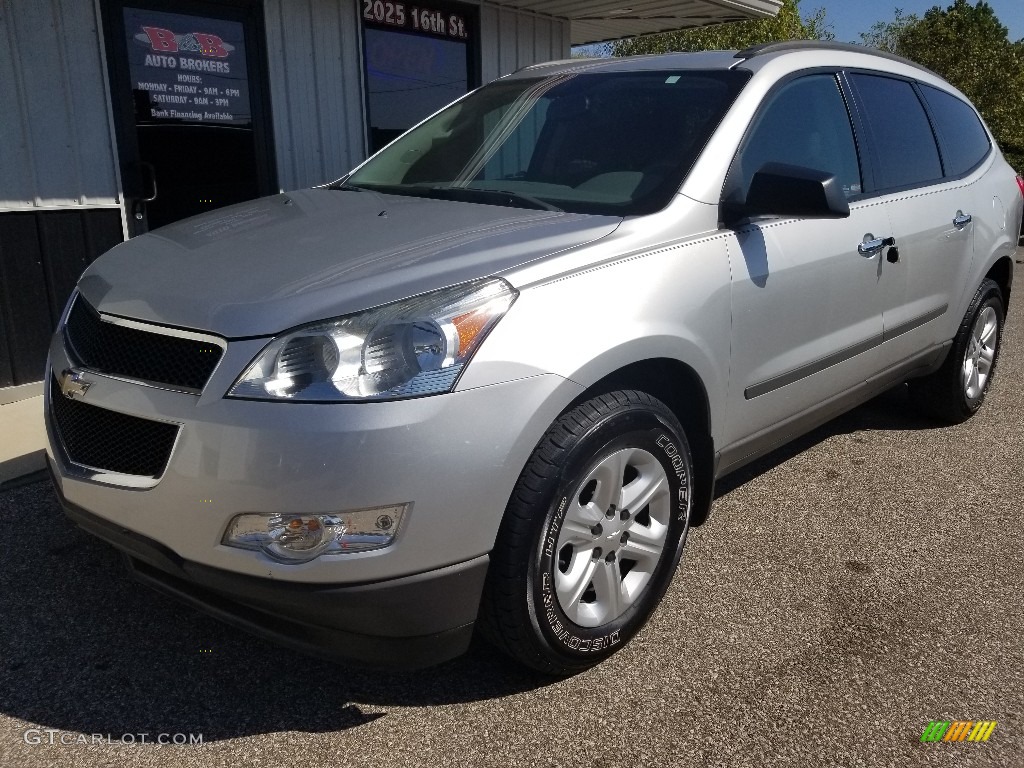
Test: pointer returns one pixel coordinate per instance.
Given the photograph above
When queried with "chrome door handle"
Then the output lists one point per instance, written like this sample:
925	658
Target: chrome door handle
151	172
962	219
873	245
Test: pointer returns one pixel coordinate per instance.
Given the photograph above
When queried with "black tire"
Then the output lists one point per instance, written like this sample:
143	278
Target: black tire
946	394
522	611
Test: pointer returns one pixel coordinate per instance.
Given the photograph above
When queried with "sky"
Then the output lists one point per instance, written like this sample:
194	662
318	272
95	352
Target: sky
851	17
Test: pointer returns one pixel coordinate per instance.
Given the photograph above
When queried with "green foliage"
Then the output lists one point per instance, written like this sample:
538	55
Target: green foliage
970	47
788	25
886	35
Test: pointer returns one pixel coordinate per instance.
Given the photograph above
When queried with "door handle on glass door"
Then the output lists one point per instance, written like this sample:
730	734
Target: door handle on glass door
151	173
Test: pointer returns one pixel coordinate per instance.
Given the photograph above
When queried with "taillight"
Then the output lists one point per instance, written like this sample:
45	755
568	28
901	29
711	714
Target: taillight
1020	183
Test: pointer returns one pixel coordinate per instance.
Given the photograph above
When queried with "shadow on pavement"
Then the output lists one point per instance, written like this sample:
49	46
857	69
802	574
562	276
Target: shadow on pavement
83	648
890	411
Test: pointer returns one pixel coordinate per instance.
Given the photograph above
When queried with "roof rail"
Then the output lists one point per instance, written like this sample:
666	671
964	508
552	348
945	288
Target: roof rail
821	45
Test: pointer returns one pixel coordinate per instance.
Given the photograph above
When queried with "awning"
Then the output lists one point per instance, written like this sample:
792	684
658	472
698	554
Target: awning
595	21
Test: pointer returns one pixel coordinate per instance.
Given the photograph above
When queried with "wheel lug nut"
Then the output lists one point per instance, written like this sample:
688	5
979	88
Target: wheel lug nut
597	530
611	511
597	553
625	537
624	514
611	557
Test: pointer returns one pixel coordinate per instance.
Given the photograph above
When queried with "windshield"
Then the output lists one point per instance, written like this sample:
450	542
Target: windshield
616	143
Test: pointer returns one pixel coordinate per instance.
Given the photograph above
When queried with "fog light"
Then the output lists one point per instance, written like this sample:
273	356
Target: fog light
293	538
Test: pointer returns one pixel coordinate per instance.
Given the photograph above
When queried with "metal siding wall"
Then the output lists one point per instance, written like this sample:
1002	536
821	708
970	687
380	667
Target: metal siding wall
315	62
42	253
56	148
524	30
508	42
542	35
490	42
512	39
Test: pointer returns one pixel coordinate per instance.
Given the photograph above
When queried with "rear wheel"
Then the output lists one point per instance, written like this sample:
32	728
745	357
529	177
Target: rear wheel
592	534
956	391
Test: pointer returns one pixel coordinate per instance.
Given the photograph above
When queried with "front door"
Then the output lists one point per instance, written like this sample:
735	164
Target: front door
190	108
806	303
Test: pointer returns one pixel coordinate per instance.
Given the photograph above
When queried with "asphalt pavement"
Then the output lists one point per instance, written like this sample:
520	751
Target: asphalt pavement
846	591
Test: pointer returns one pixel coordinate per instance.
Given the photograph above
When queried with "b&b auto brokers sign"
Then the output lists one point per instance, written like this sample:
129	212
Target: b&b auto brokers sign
187	68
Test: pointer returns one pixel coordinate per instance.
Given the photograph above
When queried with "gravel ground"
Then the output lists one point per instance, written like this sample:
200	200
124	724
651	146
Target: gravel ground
845	591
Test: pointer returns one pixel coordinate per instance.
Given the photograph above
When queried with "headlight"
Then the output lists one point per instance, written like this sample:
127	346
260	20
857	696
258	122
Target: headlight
413	347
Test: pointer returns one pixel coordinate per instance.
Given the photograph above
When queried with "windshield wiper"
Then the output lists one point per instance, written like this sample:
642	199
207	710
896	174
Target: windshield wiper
344	186
498	196
460	194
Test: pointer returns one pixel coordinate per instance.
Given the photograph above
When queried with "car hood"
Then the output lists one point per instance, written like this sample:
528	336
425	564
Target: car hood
258	268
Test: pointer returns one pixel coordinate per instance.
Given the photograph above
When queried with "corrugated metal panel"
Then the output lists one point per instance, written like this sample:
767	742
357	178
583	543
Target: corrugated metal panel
490	42
511	39
42	253
56	146
315	61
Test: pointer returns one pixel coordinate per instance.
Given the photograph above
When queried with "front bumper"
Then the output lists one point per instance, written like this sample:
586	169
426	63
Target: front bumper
453	459
404	623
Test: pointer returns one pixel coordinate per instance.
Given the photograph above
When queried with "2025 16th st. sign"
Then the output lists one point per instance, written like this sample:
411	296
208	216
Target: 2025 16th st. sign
415	18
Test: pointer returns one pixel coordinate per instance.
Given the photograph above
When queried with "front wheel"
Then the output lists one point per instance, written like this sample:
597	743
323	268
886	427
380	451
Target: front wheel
592	534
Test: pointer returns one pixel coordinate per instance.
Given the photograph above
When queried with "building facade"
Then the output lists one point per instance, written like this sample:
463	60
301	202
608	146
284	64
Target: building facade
123	115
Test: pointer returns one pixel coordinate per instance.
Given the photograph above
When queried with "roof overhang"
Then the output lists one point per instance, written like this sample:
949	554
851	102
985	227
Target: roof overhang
595	21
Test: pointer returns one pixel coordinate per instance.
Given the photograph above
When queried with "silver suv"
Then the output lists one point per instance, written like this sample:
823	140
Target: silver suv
488	380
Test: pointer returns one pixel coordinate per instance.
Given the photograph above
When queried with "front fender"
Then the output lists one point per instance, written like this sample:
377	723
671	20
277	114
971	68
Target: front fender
673	303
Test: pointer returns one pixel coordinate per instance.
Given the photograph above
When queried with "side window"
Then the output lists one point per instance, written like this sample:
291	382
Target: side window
805	123
903	140
961	134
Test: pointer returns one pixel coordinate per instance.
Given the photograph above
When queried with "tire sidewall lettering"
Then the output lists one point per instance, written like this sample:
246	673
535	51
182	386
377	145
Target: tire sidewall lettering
681	468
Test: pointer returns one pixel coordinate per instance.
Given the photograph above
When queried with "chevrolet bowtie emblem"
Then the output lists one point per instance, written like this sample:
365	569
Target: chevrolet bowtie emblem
73	384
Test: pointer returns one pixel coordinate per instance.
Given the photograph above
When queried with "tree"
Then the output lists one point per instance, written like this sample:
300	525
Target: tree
970	48
886	36
788	25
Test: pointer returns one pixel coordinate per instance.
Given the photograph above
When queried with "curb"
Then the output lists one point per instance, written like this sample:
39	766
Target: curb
36	476
14	471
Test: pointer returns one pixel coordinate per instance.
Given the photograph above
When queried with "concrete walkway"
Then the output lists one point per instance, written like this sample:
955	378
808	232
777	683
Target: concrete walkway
22	439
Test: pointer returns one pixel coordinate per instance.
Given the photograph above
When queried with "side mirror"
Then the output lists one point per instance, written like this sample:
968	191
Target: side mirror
778	189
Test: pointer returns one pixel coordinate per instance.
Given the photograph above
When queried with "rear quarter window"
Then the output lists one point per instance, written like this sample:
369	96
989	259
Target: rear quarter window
905	151
962	137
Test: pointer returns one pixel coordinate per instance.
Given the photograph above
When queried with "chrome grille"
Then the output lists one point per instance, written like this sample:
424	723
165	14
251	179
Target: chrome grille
155	358
110	441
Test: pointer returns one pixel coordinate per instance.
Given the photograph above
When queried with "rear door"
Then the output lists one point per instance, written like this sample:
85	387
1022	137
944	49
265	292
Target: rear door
931	201
807	311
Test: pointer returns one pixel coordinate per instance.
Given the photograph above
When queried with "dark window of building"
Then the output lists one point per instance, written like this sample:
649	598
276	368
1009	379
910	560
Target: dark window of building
805	123
961	134
904	143
417	61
